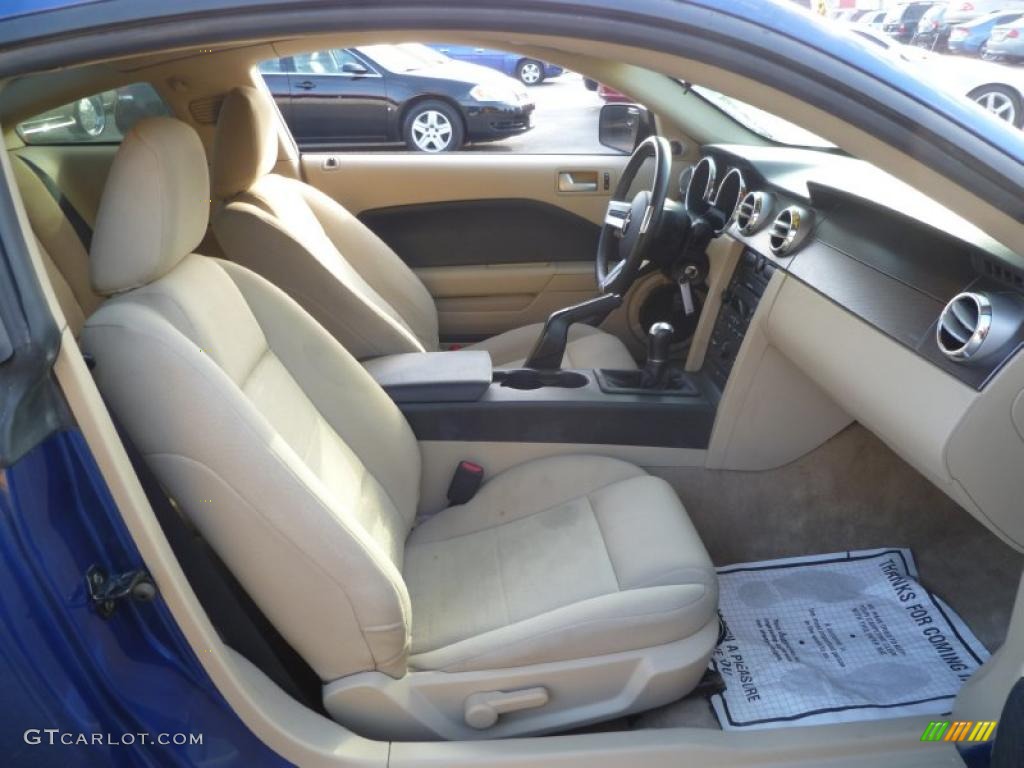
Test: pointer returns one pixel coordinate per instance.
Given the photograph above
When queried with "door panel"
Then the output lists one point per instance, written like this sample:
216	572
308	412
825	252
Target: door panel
492	236
476	302
478	232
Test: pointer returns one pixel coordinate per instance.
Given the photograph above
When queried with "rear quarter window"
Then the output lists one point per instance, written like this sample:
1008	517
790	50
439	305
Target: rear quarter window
102	118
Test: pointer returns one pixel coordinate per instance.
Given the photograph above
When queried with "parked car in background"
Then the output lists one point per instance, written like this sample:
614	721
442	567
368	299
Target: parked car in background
611	96
972	37
999	90
872	19
968	10
381	94
933	28
528	71
1006	42
901	21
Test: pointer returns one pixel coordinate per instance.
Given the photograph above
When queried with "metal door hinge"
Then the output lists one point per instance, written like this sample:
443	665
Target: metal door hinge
105	591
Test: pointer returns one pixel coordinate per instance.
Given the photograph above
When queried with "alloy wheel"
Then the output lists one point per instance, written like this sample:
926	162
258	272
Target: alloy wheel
529	72
999	104
432	131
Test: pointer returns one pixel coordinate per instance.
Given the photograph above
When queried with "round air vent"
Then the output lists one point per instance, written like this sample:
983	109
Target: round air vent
973	325
964	325
727	200
789	230
753	210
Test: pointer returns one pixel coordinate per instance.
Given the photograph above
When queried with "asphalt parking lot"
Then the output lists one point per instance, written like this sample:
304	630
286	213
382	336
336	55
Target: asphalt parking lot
565	121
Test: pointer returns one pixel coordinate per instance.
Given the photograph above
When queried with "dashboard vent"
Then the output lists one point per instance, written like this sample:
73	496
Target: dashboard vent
1003	272
753	210
964	325
789	230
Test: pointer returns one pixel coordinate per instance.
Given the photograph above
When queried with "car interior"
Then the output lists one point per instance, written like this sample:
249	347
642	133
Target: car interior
475	441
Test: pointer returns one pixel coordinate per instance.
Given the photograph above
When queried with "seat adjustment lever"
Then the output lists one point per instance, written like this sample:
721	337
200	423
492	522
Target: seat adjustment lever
483	709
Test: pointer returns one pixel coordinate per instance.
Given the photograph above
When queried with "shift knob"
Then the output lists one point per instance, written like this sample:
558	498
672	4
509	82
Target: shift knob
659	342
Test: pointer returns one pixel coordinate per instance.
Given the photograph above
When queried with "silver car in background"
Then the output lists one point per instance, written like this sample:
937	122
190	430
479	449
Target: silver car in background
1007	41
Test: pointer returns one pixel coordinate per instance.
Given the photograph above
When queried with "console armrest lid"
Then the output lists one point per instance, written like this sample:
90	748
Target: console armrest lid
433	377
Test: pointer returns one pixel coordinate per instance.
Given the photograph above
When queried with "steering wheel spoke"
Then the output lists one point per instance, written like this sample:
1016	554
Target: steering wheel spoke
617	215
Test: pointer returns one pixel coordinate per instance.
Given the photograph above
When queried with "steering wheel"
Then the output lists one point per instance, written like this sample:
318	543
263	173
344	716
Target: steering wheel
630	226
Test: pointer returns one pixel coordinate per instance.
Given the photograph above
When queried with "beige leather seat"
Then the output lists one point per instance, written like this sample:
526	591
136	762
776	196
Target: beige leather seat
579	580
334	266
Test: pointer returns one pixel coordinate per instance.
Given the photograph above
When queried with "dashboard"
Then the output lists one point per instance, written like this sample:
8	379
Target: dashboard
900	313
874	247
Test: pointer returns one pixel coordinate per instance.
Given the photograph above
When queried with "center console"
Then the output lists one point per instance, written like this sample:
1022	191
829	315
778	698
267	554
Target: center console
739	302
456	396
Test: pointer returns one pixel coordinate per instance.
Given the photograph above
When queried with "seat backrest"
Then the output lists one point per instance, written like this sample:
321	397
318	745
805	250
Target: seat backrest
294	465
67	261
310	246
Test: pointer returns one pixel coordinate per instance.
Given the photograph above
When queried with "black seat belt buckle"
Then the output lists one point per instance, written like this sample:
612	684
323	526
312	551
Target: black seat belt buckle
466	482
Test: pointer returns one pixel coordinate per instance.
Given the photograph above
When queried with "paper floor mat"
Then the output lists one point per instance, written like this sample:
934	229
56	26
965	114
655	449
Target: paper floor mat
836	638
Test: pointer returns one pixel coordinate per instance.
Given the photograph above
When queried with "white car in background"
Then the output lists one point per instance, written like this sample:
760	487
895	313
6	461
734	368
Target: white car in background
996	87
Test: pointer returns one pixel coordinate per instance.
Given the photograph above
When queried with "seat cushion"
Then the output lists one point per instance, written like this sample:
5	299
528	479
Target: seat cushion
560	558
588	347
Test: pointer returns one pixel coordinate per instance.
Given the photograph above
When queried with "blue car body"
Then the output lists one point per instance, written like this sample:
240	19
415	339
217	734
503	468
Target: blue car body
978	32
503	61
65	667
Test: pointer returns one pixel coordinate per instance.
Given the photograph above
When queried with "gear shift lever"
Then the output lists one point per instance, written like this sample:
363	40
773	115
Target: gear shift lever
659	339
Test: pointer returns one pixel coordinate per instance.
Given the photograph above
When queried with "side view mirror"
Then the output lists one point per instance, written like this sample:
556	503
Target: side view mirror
354	68
624	126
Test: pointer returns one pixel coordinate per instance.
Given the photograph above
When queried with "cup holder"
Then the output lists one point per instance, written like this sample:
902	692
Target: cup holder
527	379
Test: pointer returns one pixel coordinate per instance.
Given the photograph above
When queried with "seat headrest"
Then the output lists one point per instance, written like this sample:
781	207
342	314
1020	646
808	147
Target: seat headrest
245	145
155	206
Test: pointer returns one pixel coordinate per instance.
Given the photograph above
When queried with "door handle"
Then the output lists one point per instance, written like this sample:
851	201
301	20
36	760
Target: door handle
306	85
577	181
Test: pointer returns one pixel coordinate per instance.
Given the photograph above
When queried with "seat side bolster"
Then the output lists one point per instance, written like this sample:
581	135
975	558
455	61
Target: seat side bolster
379	265
611	623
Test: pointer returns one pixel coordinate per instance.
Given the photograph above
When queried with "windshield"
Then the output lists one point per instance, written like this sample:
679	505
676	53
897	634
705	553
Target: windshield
393	58
763	123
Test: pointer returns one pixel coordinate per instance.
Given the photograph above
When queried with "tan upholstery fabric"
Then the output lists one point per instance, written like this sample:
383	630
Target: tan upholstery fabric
588	348
294	235
556	559
330	262
155	206
68	262
245	145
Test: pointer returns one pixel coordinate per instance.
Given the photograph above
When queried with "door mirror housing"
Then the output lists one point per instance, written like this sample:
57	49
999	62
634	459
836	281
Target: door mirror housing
354	68
623	126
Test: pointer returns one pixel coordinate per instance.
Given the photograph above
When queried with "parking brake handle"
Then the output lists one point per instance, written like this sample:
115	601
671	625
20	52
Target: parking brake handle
548	352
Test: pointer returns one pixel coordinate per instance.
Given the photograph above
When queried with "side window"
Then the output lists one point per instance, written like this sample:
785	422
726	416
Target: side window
273	67
103	118
317	63
436	97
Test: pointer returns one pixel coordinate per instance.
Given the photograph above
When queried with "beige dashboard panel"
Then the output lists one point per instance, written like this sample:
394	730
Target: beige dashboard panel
365	181
910	404
986	453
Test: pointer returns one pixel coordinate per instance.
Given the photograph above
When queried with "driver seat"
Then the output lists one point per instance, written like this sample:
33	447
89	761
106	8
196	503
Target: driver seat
333	265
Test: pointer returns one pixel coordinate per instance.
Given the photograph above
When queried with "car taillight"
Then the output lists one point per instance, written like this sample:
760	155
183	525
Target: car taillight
1013	33
967	7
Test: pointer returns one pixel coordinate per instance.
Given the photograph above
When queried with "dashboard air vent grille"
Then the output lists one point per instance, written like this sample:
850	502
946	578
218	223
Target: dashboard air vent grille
752	211
1003	272
964	325
789	230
